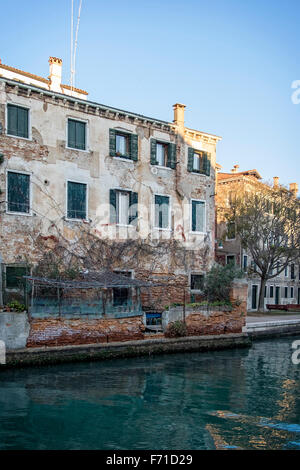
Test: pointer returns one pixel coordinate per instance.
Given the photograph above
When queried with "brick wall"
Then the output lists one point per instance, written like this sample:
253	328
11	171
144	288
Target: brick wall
56	332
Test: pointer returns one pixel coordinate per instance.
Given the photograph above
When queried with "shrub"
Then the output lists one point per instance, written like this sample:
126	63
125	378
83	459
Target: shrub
16	306
176	329
218	282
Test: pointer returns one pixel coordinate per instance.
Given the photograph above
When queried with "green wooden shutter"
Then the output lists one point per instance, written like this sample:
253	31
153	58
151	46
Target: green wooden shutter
12	120
203	164
208	158
112	142
190	164
18	192
71	133
171	156
133	208
153	160
23	122
113	206
134	147
76	200
80	135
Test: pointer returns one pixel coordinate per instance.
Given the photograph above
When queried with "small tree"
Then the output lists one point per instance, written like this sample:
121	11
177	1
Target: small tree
218	282
267	222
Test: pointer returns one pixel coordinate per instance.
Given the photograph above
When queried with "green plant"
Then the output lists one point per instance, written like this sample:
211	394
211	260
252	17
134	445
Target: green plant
176	329
17	306
218	282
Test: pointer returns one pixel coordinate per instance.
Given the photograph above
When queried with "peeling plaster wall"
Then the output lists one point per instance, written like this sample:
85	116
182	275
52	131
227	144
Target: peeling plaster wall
45	156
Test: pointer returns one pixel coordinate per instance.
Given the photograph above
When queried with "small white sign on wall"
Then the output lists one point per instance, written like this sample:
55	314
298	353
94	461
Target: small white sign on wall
2	353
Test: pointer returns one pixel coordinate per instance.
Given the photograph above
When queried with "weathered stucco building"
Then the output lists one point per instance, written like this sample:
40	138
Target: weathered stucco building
284	288
67	163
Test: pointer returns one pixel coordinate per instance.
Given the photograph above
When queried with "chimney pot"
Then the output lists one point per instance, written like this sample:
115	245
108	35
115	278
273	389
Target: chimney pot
294	189
179	114
235	169
55	73
275	181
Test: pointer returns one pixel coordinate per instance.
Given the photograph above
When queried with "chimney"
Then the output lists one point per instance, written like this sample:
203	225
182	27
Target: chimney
235	169
55	73
294	189
275	181
179	114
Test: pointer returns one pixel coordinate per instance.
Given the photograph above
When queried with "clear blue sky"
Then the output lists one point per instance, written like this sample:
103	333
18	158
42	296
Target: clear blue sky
232	62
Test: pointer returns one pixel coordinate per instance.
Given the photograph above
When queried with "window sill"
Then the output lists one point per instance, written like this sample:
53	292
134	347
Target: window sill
29	139
161	167
125	225
198	174
162	229
77	150
123	159
26	214
197	233
85	221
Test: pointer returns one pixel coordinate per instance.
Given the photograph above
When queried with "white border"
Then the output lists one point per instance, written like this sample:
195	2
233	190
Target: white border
191	216
166	229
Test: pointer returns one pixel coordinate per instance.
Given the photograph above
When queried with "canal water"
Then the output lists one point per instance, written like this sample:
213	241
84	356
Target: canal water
246	399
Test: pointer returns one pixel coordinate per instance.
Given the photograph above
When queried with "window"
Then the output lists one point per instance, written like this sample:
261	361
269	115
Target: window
163	154
231	231
197	282
292	293
286	271
18	192
292	271
123	207
271	291
198	161
198	216
265	293
14	276
76	134
122	295
17	121
122	144
285	292
162	211
245	262
230	259
254	266
76	200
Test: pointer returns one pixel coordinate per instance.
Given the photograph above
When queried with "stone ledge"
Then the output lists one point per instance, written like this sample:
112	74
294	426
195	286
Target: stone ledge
102	351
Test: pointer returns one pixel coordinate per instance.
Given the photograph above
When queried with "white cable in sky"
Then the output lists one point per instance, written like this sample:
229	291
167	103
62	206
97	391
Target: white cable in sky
74	45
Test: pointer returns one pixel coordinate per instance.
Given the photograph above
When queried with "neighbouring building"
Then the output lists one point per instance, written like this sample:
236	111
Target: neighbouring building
67	162
283	289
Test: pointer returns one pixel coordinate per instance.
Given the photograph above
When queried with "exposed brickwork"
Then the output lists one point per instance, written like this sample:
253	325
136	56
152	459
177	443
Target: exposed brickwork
55	332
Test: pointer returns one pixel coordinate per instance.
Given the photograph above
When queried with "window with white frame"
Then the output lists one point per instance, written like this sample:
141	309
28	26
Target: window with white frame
17	121
18	192
123	207
198	216
162	212
76	134
76	200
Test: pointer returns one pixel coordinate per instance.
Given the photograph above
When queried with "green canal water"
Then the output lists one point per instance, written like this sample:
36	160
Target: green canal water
246	398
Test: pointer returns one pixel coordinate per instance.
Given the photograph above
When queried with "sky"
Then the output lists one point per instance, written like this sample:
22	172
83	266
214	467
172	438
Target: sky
231	62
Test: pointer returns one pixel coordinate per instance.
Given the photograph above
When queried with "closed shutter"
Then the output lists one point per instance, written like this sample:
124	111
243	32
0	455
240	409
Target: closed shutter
133	208
17	121
113	205
208	158
76	200
134	147
80	135
71	133
18	196
153	160
112	142
198	216
161	211
172	156
190	164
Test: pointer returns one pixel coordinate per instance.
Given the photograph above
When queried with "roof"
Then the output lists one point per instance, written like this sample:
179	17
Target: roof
225	176
38	78
92	280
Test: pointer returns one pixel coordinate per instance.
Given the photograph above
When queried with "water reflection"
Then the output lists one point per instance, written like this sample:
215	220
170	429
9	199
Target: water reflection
239	399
